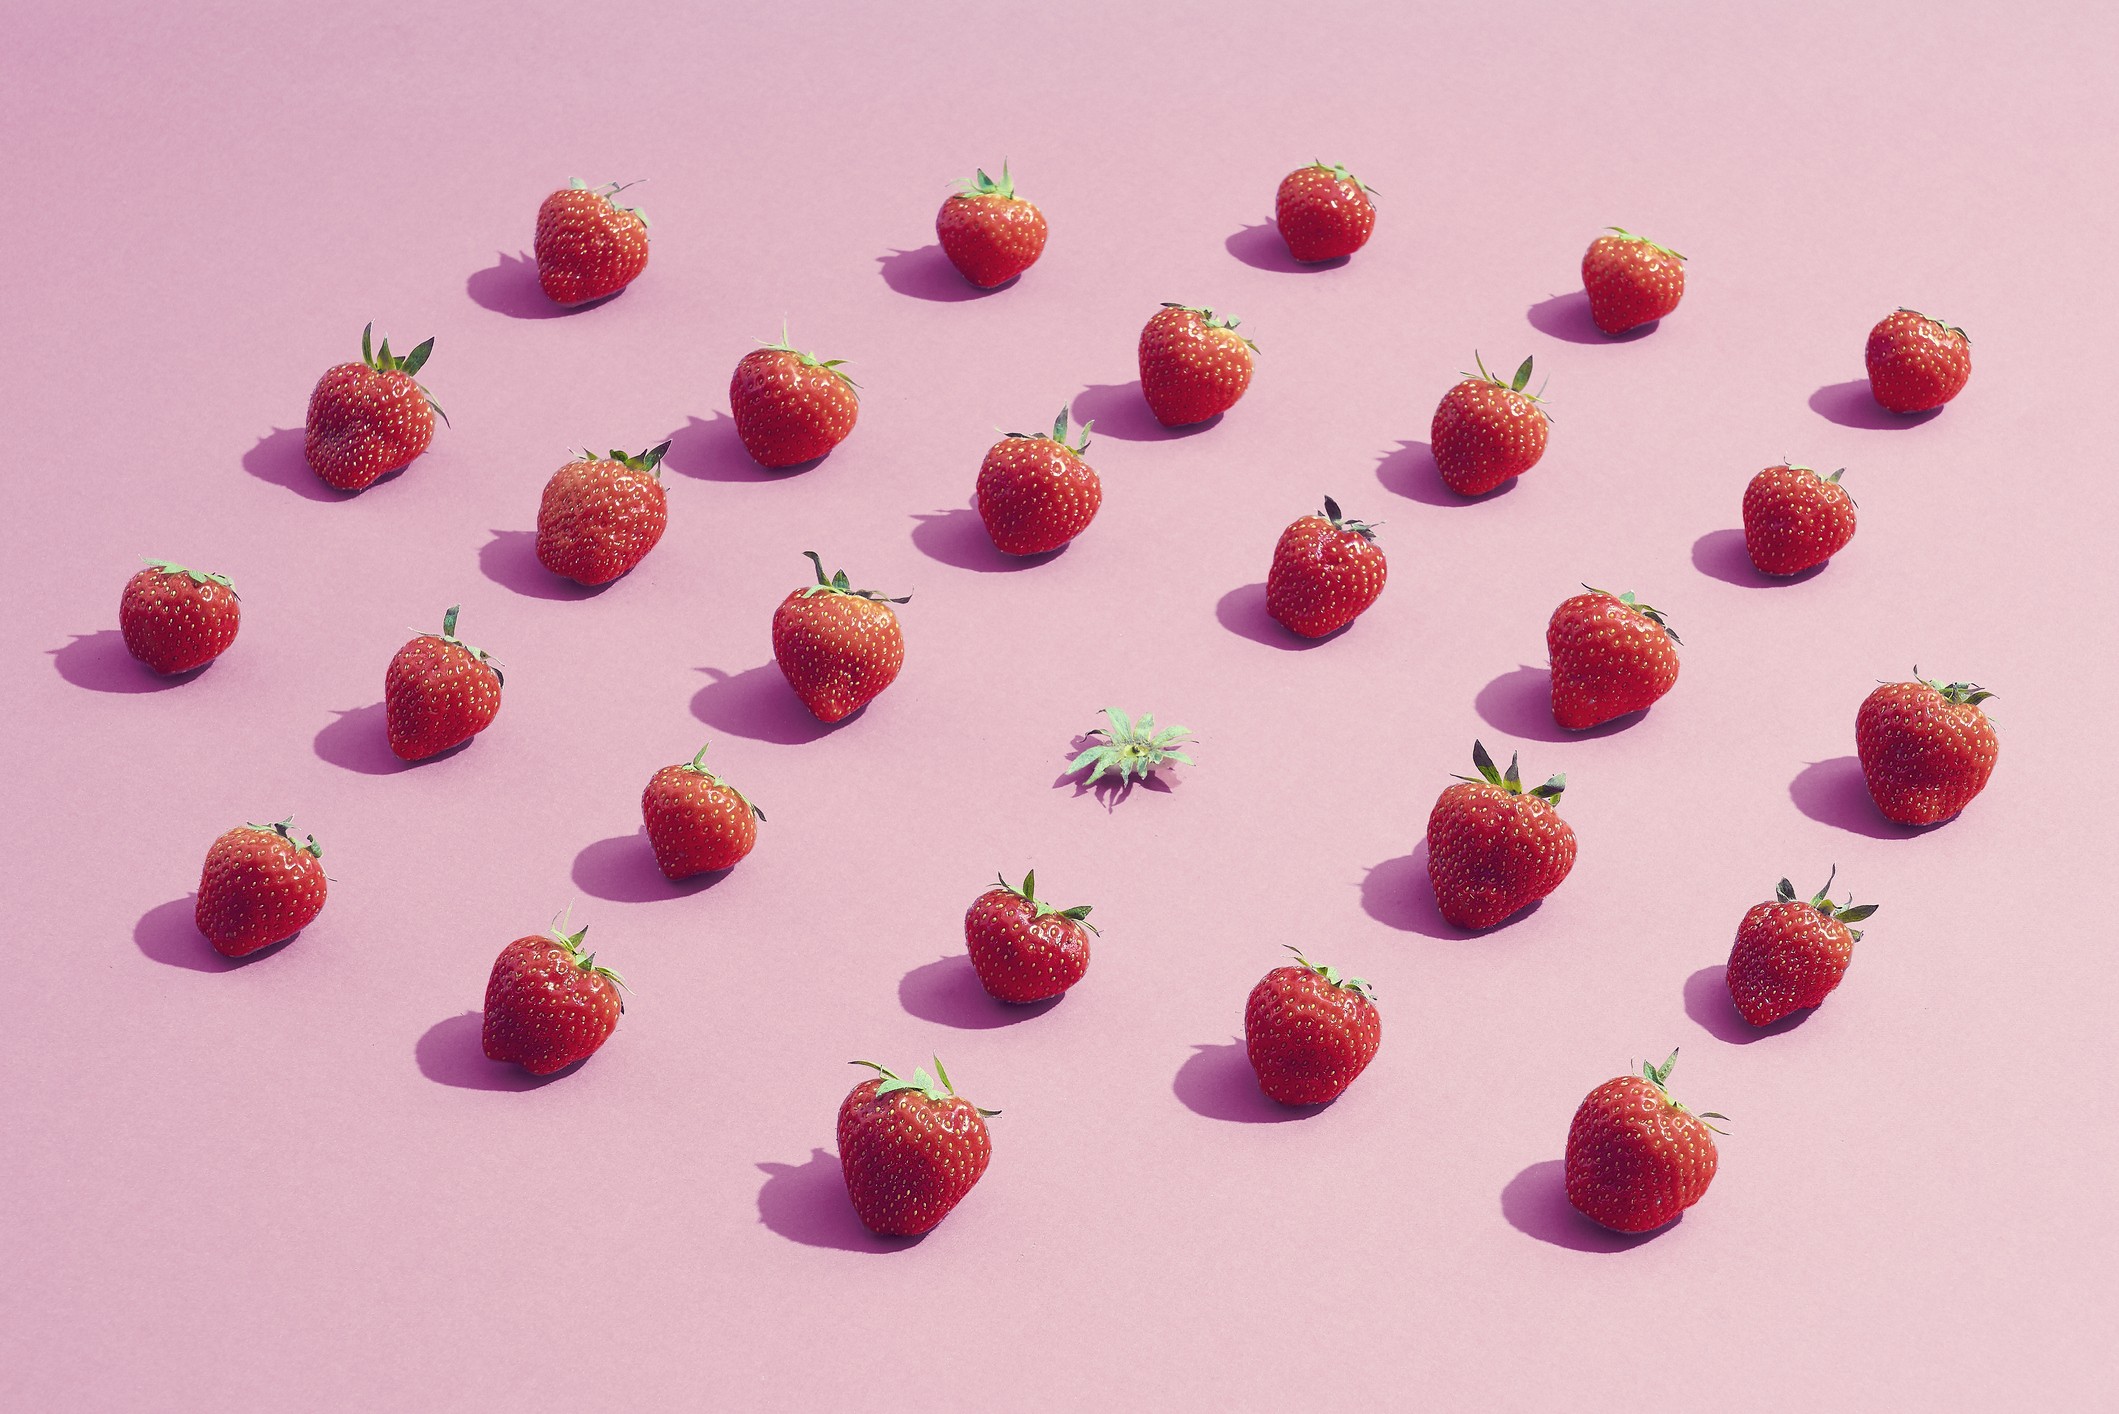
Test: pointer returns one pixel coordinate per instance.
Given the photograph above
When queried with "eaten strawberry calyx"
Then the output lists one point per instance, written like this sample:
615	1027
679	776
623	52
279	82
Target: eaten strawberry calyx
195	576
1058	435
1957	694
284	829
1339	521
1511	780
983	185
1214	321
810	360
1838	913
609	190
934	1087
1331	975
1946	328
1647	611
1131	748
1625	235
1341	174
1028	894
383	361
1659	1077
648	462
837	584
448	636
697	765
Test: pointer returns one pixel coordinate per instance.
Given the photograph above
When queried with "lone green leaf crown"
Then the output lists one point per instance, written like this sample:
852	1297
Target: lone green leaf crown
1131	749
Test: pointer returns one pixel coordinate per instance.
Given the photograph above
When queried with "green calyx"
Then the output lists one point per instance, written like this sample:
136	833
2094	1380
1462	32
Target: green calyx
1028	894
934	1087
648	462
1798	466
1511	780
284	829
983	185
810	360
1659	1076
1341	174
609	190
383	361
1516	384
1967	694
1946	328
697	765
1839	913
1213	321
581	959
1331	974
1647	611
195	576
836	584
1130	748
1626	235
448	636
1058	434
1365	529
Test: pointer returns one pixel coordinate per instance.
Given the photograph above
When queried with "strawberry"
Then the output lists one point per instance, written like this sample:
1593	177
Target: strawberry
910	1149
1131	748
1035	493
1795	518
1610	656
548	1003
1631	280
600	516
588	247
370	418
1309	1031
1326	571
837	647
990	234
1926	748
697	822
1789	955
1636	1158
177	620
1917	363
791	407
1493	848
1193	364
1026	950
259	888
1486	431
439	692
1324	212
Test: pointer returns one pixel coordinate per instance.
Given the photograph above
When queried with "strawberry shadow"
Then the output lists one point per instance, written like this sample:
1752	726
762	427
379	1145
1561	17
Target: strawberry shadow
453	1053
509	286
1835	793
958	538
1707	1002
1535	1204
169	934
622	869
1217	1082
1110	790
1262	248
1398	893
101	662
1242	611
757	703
1120	410
1567	317
807	1203
510	560
1410	471
1722	555
358	739
948	992
925	273
708	449
1520	704
280	457
1853	404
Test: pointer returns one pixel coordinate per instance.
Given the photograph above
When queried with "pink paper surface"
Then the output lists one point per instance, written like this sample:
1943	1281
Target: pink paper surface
297	1184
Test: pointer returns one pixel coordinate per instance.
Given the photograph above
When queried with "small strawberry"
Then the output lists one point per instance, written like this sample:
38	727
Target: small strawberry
1795	518
1917	363
697	822
837	647
548	1003
1036	493
1309	1031
1493	848
1926	748
1026	950
1486	431
1131	748
791	407
1193	364
1610	656
600	516
910	1149
1636	1158
990	234
1324	212
1789	955
1631	280
588	247
259	888
177	620
370	418
439	692
1326	572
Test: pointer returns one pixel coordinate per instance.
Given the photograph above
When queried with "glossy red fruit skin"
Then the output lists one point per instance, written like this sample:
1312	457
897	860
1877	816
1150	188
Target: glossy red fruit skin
1492	853
787	411
1787	957
437	695
364	424
599	519
1021	957
1630	283
1795	519
837	651
1322	216
909	1160
257	888
587	247
1035	495
544	1011
1323	577
1190	371
1484	434
990	239
1308	1039
1916	363
175	623
695	823
1635	1159
1923	756
1607	660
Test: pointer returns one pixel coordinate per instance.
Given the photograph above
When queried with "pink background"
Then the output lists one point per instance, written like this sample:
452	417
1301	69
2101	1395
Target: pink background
297	1184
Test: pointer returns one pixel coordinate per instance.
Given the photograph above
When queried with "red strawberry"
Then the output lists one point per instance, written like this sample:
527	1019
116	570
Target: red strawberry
370	418
837	647
259	888
1025	950
1130	749
548	1003
1637	1159
1035	492
1610	656
1493	848
1193	365
791	407
600	517
439	692
1631	280
588	247
1926	748
176	620
1789	955
1795	518
1309	1031
697	822
990	234
910	1149
1486	431
1326	571
1324	212
1917	363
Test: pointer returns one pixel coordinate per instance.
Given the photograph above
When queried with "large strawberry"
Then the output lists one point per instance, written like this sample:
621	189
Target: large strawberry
1193	364
1926	748
990	234
1035	493
1324	212
1327	570
1795	518
549	1003
588	246
1310	1031
177	620
1636	1158
1789	954
1024	949
1917	363
259	888
1130	748
1493	848
1486	431
1611	655
439	692
601	515
1631	280
370	418
697	823
791	407
837	647
910	1149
